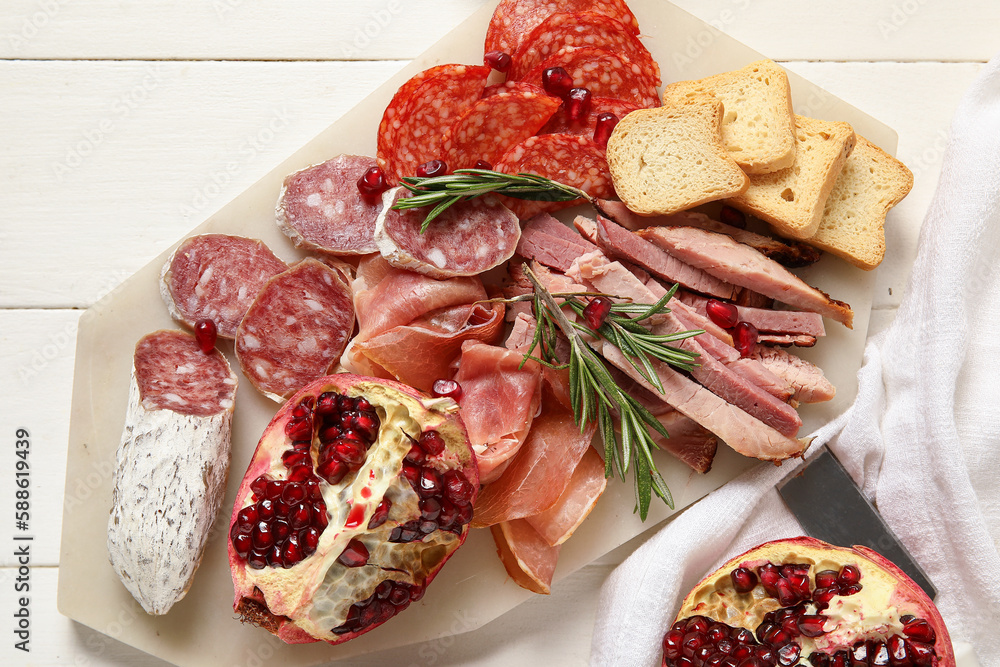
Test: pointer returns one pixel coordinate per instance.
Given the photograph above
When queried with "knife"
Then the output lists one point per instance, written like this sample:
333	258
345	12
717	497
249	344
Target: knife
831	507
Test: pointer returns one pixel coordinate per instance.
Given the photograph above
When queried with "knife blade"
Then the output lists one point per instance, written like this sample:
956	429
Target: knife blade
831	507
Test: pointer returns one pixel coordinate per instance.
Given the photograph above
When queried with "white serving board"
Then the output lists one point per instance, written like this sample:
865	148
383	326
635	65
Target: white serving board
473	588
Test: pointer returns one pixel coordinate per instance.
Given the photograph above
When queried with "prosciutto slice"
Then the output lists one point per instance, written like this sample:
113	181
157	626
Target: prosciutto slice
412	327
499	402
528	558
540	472
588	482
726	259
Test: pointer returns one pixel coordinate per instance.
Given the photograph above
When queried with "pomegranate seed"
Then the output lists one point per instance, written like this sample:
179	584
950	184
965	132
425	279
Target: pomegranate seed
769	577
776	636
717	632
745	338
897	651
596	312
351	452
372	184
399	596
850	590
692	642
859	655
483	164
291	554
920	630
788	654
826	578
498	60
744	580
432	168
426	526
879	656
367	424
293	493
411	474
326	403
822	596
430	509
603	127
577	104
355	554
432	442
301	516
763	629
742	636
242	544
672	644
300	473
922	655
257	560
703	654
447	389
733	217
319	515
429	483
332	470
800	584
726	315
819	659
849	575
262	536
416	456
811	625
787	596
258	486
743	651
766	656
299	429
309	539
246	518
206	334
840	659
380	514
697	624
265	509
556	81
280	530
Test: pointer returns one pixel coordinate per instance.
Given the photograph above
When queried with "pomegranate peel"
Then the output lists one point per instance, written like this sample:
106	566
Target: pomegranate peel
358	542
869	611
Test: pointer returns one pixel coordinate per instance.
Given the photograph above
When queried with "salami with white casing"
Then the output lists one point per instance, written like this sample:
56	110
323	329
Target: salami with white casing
296	329
467	239
172	465
216	277
321	209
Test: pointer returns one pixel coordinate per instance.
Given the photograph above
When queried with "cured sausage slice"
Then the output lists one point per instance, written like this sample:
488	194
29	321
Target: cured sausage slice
421	111
467	239
571	159
603	73
580	29
216	277
296	329
513	20
321	209
561	124
493	124
170	477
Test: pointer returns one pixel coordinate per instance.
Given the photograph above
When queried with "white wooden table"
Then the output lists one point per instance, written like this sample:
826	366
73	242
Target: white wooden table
125	124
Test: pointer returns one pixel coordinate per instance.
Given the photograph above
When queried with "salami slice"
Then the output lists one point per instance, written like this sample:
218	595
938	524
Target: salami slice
492	125
603	73
466	239
216	277
172	462
296	329
580	29
513	20
421	111
321	209
561	124
571	159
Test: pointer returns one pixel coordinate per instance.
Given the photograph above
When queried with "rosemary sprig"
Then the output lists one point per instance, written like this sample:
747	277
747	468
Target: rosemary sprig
440	192
594	393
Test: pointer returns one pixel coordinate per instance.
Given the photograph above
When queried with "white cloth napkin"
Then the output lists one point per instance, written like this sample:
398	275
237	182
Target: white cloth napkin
922	439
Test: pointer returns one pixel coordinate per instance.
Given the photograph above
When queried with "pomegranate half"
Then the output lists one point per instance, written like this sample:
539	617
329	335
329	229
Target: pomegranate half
803	601
358	492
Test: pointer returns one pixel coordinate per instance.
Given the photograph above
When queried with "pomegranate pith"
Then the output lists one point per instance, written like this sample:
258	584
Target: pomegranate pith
810	603
336	528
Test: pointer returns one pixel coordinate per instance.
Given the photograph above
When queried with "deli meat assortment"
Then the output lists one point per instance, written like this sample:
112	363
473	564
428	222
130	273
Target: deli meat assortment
423	390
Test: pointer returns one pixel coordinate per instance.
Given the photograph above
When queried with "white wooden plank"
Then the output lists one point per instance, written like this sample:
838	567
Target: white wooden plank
108	163
391	29
36	361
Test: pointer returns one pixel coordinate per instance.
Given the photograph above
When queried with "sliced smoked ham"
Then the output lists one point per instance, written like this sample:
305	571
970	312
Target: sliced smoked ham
807	379
499	401
689	441
557	523
726	259
540	472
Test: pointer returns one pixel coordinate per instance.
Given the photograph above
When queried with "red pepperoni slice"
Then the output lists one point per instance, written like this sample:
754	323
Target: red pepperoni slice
512	87
296	329
492	125
513	20
216	277
421	111
603	73
571	159
467	239
172	373
561	124
580	29
320	208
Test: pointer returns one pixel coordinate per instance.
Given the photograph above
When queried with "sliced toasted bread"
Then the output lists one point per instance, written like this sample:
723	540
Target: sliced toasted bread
758	128
853	222
792	199
670	158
